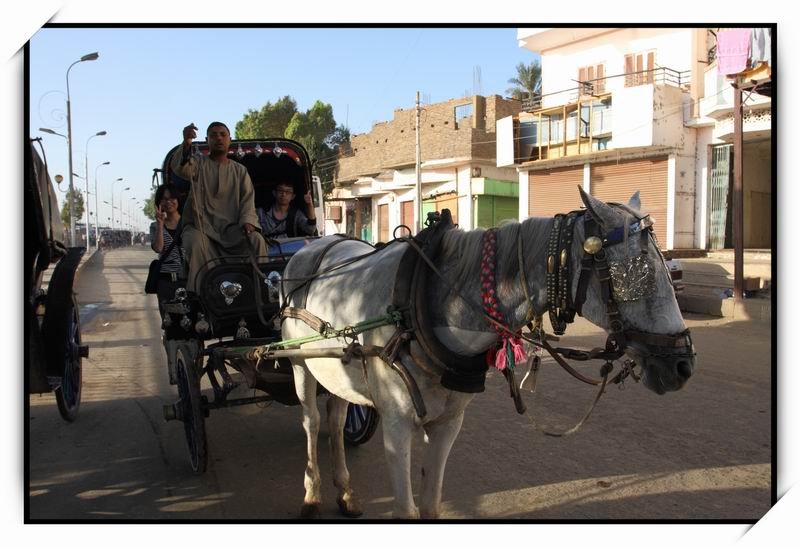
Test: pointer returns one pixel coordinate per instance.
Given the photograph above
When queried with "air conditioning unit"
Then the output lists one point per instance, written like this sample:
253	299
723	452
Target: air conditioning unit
334	213
476	172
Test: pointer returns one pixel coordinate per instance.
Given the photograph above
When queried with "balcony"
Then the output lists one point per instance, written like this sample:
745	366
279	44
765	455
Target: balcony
637	109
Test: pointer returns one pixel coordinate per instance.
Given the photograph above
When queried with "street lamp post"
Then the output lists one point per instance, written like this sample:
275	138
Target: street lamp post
86	171
97	207
87	57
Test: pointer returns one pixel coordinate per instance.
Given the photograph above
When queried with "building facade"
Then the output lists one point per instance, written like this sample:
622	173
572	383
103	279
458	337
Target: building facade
375	184
629	109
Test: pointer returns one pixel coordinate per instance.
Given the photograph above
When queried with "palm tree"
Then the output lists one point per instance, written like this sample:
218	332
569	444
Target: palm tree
528	81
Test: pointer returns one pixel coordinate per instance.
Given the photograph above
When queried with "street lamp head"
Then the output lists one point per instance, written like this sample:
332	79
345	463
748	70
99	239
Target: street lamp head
47	130
119	179
105	163
126	188
59	178
99	133
90	56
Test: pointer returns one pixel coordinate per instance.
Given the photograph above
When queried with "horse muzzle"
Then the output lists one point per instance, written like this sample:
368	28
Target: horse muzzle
667	361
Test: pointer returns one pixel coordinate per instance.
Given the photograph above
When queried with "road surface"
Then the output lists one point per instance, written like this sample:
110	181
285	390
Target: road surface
703	452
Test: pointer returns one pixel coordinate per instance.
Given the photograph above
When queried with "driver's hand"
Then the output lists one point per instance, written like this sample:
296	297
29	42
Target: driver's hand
247	228
189	134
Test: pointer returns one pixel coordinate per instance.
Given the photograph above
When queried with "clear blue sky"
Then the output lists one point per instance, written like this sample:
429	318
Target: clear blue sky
149	83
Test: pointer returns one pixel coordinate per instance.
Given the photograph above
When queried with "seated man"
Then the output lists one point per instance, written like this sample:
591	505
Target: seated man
284	221
219	216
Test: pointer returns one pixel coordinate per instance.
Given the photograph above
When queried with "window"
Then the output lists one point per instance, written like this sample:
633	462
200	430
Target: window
592	79
639	68
462	111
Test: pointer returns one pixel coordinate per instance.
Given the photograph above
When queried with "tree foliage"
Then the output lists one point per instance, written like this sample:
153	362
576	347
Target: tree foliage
270	121
527	82
78	207
315	129
149	208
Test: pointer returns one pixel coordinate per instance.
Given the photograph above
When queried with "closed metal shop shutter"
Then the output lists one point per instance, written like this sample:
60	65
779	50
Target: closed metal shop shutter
383	222
554	191
407	214
616	182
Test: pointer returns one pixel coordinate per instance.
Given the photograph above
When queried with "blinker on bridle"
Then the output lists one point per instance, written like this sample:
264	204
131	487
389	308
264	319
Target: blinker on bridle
627	280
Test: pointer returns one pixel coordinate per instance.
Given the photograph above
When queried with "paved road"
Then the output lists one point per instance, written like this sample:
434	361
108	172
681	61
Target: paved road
701	453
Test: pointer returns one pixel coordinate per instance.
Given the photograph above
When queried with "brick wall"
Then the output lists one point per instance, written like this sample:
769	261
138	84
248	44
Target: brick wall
392	144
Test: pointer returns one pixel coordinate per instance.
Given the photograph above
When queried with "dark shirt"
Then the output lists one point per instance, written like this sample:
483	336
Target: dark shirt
272	227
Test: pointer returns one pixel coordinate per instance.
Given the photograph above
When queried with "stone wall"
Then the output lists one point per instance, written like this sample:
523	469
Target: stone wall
392	144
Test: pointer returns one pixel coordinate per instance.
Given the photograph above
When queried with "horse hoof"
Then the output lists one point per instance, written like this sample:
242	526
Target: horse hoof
310	511
349	506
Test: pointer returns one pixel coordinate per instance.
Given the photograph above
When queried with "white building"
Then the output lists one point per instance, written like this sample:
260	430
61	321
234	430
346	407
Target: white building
639	109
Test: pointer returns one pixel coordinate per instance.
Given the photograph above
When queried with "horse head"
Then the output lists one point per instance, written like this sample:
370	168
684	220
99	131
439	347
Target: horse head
649	323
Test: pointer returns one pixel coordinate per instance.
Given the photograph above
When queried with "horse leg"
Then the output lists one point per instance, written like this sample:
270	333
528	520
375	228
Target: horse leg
348	502
306	388
439	438
397	434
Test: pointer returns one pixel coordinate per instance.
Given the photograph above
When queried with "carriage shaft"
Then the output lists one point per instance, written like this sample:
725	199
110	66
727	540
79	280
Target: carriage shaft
335	352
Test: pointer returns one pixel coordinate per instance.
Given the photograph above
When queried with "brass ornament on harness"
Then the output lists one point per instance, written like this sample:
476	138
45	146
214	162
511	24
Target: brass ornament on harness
592	245
551	263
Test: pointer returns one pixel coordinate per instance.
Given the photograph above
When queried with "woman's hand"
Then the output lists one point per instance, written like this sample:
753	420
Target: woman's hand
161	216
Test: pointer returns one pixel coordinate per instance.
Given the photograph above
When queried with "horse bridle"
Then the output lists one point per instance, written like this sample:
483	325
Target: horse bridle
561	306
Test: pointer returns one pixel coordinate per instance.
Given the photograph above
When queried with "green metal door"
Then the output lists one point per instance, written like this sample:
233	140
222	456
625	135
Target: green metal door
719	222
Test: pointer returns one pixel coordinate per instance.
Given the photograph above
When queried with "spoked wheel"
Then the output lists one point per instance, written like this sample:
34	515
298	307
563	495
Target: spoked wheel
361	423
68	394
191	411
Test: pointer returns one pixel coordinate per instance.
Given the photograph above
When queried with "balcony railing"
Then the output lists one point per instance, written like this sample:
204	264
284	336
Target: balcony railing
600	86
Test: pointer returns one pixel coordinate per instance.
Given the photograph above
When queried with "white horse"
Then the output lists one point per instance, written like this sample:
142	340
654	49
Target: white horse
362	291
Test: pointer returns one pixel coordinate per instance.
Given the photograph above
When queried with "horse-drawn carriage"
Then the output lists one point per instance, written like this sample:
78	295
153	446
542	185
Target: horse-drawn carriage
236	309
52	317
411	327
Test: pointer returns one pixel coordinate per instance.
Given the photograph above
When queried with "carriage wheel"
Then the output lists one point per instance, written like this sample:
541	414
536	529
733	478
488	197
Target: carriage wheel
68	394
361	423
191	410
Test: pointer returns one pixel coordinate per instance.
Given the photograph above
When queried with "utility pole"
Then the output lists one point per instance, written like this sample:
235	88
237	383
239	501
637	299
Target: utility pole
419	175
738	198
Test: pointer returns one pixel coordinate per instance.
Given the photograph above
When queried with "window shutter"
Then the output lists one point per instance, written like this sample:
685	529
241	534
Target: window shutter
600	86
640	76
582	78
590	76
628	70
651	61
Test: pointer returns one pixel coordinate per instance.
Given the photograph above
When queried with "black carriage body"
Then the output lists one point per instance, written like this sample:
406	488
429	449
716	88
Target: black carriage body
268	162
225	314
232	317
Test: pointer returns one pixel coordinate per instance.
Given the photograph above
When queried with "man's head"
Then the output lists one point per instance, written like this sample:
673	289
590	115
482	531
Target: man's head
219	138
284	193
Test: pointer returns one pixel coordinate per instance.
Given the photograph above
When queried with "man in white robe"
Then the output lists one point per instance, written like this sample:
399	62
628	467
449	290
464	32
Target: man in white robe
219	216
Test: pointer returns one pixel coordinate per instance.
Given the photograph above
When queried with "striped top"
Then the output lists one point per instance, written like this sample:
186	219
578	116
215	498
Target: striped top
172	262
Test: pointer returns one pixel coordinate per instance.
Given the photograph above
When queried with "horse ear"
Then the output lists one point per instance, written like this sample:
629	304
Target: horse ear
601	210
635	202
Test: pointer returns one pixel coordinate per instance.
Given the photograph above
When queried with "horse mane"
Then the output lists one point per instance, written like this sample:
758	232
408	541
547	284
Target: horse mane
461	251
